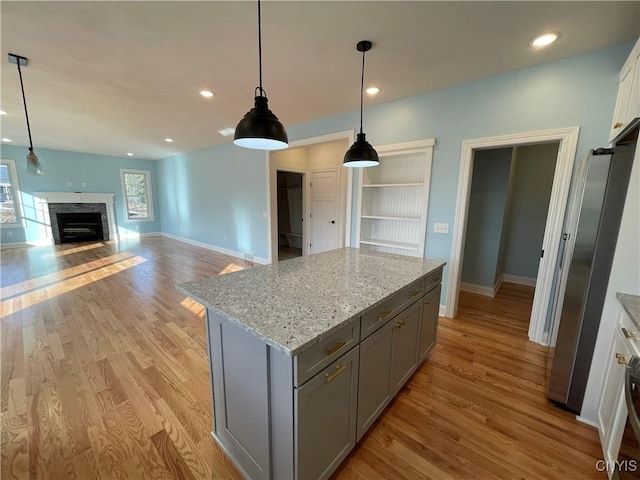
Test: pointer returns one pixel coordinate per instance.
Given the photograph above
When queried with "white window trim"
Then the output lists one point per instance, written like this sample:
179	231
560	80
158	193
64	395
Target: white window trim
17	195
147	176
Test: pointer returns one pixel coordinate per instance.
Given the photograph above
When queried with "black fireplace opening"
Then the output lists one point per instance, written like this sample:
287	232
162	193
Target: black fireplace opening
80	227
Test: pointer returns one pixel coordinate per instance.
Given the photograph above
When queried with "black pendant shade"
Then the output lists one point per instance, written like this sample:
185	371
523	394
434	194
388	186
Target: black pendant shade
33	162
260	128
361	153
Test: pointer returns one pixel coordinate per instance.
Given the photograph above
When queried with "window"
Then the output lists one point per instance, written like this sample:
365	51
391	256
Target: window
136	187
10	208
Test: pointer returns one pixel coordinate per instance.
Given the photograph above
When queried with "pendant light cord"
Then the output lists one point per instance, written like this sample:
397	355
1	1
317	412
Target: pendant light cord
260	47
361	91
24	100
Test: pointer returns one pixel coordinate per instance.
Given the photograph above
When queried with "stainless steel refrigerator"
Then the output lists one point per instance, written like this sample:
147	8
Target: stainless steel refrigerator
597	205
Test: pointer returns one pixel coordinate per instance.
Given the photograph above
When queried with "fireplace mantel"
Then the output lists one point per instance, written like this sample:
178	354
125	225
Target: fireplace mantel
44	198
74	197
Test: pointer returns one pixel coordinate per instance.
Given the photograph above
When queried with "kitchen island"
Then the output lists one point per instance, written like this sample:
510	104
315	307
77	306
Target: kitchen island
305	354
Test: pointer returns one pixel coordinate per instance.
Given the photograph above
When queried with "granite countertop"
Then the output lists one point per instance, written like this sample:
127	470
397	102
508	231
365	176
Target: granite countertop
631	305
293	304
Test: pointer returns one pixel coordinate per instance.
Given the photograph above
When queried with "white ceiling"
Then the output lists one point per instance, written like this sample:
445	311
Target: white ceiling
117	77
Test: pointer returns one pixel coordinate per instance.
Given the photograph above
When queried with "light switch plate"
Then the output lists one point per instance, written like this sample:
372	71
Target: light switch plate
441	228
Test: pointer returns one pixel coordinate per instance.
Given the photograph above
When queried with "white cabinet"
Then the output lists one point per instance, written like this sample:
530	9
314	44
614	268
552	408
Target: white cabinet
628	100
392	206
612	412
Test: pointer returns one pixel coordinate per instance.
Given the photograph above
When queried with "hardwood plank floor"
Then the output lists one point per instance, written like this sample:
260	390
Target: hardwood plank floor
104	375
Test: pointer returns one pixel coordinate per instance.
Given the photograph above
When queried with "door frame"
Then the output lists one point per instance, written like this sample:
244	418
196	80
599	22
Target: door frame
272	214
568	139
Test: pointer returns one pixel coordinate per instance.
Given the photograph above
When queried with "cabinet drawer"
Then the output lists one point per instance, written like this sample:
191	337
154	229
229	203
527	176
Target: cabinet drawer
432	281
318	356
378	316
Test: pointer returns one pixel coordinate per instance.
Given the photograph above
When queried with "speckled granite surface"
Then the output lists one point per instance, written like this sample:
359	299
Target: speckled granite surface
293	304
631	305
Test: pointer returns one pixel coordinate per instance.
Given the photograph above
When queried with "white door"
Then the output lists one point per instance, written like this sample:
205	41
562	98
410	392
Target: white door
324	211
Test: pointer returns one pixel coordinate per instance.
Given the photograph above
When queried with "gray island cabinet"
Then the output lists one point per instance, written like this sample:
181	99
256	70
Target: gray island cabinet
306	354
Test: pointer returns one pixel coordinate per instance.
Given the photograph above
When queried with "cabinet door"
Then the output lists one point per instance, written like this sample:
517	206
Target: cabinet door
374	384
404	350
429	323
628	90
326	418
612	399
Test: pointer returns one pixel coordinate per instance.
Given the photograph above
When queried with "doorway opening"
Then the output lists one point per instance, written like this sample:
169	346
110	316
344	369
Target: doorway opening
325	223
508	210
290	214
567	139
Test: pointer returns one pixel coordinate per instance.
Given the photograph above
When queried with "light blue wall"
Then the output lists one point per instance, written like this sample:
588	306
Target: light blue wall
216	196
533	169
100	173
489	187
577	91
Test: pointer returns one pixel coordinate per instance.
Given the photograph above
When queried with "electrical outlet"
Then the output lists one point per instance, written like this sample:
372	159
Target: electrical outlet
69	184
248	256
264	214
441	228
84	184
9	233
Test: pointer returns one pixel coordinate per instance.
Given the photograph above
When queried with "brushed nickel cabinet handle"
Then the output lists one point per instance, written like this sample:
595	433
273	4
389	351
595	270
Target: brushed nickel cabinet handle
617	125
335	348
339	370
621	359
628	334
399	323
383	315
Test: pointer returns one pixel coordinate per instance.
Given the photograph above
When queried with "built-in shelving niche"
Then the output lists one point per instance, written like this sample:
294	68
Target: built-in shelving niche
393	199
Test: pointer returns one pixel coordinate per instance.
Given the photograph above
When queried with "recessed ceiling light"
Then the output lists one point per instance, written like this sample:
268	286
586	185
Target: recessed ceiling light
2	112
8	140
206	93
544	40
129	154
372	90
168	140
225	132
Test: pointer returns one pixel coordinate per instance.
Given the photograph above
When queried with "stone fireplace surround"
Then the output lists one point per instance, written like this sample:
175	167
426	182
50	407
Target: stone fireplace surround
50	203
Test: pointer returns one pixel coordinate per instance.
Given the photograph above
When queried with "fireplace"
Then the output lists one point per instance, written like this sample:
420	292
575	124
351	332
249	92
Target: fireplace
82	222
80	227
50	204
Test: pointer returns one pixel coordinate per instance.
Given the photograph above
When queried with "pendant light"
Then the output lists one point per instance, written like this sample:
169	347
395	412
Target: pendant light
361	153
33	163
260	128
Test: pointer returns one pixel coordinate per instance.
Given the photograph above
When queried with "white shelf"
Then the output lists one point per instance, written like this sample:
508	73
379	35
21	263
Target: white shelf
391	244
372	185
391	217
393	200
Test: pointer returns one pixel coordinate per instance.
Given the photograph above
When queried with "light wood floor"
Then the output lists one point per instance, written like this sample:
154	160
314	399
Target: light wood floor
104	375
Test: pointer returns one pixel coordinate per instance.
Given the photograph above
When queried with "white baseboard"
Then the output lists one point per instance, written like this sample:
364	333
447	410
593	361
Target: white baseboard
587	421
479	289
38	243
215	248
14	245
529	282
498	284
